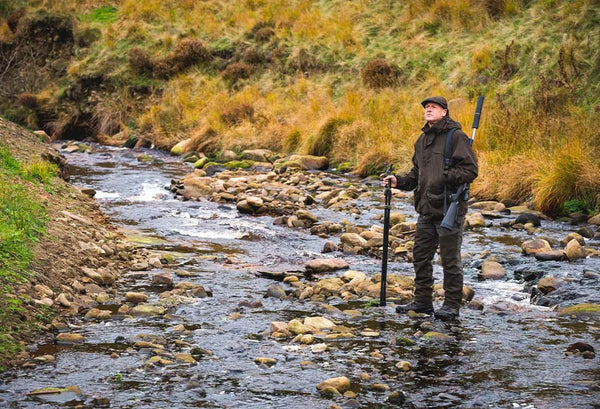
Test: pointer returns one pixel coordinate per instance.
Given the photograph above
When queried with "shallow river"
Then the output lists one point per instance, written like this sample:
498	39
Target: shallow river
508	355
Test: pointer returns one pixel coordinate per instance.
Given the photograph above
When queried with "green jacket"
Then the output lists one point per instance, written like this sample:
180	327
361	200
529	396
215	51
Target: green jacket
428	177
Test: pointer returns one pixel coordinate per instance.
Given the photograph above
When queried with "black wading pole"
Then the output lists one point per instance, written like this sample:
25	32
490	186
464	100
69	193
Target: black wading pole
386	237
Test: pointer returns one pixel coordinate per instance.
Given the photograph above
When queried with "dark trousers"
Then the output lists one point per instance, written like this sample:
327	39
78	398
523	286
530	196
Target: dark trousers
428	236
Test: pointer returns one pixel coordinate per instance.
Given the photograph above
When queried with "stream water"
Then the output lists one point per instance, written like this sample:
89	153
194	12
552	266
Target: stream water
508	355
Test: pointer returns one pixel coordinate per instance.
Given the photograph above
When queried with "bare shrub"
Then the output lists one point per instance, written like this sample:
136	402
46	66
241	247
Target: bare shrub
237	71
262	31
140	61
29	100
13	19
188	52
238	113
380	73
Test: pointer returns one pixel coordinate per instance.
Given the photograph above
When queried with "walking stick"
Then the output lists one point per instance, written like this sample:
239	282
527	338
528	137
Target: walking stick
386	236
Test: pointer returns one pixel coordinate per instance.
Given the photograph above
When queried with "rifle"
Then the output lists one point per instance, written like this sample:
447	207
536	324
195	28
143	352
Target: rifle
463	190
386	237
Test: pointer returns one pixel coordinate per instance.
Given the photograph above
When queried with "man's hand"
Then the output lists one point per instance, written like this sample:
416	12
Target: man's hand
392	180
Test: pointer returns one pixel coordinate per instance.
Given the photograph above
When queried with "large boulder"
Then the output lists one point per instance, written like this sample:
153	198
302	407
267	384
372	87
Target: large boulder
535	246
303	162
322	265
574	250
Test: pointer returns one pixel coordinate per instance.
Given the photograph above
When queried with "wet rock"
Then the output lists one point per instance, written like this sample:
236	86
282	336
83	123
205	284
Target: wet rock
275	291
297	327
573	236
318	348
67	338
279	327
140	266
434	336
581	348
265	361
553	255
303	162
594	220
475	220
535	246
96	313
548	284
307	339
323	265
397	218
579	310
353	240
58	396
329	247
353	274
528	218
163	279
573	250
135	297
528	275
491	270
404	366
147	309
185	358
379	387
318	323
396	398
341	384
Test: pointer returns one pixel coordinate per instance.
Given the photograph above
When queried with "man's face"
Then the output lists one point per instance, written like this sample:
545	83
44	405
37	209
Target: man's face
434	112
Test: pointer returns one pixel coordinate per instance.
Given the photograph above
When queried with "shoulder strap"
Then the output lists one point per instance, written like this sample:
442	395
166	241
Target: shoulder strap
448	150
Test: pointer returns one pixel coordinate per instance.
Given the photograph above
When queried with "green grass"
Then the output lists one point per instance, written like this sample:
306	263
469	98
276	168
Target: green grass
104	15
22	222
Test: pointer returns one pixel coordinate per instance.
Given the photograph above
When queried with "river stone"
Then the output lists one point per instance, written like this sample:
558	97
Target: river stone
67	338
573	236
535	246
318	323
322	265
353	240
397	218
306	215
307	339
574	250
438	337
340	384
595	220
62	300
353	274
475	220
280	327
489	205
304	162
158	360
318	348
491	270
43	290
163	278
135	297
265	361
528	218
275	291
404	366
587	309
329	247
549	283
99	314
295	326
185	358
553	255
586	232
147	309
328	286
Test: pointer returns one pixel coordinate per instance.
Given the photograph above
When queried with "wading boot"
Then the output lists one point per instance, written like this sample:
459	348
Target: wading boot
420	307
447	313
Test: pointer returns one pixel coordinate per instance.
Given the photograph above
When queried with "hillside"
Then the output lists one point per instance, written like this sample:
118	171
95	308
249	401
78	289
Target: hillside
334	78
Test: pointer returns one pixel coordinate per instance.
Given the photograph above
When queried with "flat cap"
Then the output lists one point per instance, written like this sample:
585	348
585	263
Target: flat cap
441	101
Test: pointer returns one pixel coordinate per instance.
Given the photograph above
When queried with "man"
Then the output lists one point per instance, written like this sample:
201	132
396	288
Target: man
433	184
